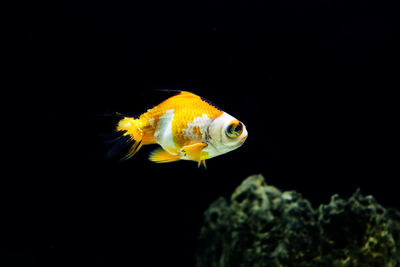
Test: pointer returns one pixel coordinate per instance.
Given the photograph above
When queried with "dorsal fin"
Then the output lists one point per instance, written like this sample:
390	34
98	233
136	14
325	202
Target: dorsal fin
210	103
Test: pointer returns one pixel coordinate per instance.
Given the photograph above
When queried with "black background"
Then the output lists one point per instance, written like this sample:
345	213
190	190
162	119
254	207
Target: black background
314	82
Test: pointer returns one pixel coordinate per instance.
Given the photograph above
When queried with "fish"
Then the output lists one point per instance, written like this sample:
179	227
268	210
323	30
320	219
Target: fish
186	126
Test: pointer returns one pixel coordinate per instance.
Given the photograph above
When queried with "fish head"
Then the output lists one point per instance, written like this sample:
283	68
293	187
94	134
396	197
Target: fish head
226	133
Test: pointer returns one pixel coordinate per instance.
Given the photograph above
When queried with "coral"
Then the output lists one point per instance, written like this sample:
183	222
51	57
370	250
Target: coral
262	226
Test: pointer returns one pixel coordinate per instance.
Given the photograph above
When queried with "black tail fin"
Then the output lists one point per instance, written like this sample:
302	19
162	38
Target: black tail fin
116	142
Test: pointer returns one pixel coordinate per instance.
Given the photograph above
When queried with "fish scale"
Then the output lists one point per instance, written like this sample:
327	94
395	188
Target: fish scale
187	107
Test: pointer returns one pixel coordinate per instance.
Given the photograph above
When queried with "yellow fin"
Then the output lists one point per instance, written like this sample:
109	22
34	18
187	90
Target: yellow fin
202	162
195	152
132	128
132	151
161	156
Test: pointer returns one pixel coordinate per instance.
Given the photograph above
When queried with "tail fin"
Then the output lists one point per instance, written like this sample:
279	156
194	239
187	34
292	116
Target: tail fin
132	128
117	143
129	133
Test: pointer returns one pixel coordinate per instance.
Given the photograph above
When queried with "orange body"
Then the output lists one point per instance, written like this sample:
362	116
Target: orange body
184	117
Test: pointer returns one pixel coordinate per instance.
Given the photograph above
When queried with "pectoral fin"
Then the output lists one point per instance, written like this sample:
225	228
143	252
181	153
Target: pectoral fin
195	152
161	156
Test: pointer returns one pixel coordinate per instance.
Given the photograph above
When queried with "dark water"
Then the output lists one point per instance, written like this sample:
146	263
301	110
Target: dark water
313	82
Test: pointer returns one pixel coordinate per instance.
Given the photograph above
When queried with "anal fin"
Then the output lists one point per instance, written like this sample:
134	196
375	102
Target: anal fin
161	156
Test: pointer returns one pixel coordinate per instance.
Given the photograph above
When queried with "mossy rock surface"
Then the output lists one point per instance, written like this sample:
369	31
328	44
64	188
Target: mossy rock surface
262	226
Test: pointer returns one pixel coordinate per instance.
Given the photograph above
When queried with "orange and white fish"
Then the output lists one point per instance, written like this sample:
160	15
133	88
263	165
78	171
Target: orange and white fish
186	127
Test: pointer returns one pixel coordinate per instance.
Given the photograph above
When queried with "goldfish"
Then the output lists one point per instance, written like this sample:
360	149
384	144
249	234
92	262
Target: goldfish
187	127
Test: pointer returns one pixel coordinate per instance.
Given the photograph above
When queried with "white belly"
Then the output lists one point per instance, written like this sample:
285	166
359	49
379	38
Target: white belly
163	133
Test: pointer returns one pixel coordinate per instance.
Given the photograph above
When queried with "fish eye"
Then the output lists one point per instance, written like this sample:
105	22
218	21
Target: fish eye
234	129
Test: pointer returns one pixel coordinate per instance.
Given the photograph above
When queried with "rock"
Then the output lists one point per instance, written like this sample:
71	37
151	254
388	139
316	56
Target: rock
262	226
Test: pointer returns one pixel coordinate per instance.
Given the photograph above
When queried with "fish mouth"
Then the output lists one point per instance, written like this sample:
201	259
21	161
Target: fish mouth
243	139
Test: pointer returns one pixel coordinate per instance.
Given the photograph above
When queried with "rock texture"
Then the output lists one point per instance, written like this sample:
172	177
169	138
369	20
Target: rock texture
262	226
